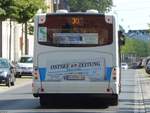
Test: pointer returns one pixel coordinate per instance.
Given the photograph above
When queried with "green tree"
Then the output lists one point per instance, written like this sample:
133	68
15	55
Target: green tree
82	5
148	48
134	46
26	9
8	9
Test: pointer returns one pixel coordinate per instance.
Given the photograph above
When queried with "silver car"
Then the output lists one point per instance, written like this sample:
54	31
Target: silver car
24	66
7	72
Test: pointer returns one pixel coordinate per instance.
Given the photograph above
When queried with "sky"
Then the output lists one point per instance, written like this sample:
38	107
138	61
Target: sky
132	14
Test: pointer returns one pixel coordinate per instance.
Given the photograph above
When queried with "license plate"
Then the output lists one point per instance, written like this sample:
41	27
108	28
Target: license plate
75	77
27	70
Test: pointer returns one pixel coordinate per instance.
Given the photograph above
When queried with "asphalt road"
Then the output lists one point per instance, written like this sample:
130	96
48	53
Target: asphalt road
134	98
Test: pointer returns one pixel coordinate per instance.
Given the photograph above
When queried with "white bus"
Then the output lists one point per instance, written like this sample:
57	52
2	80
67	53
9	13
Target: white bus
76	55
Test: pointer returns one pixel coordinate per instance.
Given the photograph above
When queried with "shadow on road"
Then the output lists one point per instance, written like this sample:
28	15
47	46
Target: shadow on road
22	104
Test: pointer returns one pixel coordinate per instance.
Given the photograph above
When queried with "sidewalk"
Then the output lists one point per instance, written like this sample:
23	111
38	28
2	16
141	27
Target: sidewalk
144	80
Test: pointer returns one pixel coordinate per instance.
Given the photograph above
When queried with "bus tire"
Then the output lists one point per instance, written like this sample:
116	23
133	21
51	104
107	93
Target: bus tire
35	95
114	100
43	101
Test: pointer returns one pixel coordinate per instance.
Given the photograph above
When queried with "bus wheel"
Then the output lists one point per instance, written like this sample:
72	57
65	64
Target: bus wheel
43	101
114	100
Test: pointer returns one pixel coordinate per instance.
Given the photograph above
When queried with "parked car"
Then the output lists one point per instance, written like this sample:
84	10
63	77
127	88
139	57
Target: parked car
124	66
24	66
136	65
147	66
7	72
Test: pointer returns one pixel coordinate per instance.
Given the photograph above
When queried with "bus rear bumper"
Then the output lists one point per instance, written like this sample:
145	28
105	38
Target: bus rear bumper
75	88
69	99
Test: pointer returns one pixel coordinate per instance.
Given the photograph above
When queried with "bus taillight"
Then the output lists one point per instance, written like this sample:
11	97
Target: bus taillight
114	73
35	74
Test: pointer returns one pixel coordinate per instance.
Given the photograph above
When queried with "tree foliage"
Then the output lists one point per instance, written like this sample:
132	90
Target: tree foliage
20	10
8	9
135	46
82	5
26	9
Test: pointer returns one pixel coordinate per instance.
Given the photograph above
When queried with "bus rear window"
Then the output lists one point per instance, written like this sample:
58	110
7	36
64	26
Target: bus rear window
75	31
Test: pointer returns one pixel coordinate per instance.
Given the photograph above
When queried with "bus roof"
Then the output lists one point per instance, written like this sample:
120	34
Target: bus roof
72	13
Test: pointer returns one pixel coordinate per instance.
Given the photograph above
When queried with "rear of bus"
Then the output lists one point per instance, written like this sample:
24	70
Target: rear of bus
75	54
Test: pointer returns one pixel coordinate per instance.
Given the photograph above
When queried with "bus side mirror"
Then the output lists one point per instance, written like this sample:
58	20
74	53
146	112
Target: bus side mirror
121	36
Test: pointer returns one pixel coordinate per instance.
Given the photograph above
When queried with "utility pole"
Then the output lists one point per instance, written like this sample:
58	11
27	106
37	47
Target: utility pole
10	37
